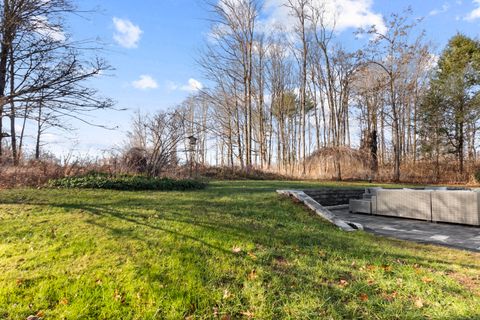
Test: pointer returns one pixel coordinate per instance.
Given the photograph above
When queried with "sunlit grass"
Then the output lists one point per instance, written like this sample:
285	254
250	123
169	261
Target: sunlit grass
234	250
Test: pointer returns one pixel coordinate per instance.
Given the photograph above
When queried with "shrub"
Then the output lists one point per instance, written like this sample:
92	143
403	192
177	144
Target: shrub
127	183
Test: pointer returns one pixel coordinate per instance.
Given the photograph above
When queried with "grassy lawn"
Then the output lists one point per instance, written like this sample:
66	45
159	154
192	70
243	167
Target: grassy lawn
234	250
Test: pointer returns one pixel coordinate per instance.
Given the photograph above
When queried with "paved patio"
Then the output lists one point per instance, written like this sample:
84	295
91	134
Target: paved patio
458	236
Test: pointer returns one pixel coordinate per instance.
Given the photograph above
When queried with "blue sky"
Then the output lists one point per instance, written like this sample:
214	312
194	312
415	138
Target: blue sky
152	45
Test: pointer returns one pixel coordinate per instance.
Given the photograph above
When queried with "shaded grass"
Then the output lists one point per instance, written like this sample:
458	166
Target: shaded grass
233	250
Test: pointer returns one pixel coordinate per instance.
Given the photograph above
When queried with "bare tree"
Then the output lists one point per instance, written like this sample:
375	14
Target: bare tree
233	33
300	10
41	66
393	52
154	141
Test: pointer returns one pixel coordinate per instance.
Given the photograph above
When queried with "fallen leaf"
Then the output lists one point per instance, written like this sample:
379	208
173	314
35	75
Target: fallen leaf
251	255
236	249
226	294
64	302
390	297
363	297
247	314
343	283
419	303
118	296
387	268
252	275
226	317
427	280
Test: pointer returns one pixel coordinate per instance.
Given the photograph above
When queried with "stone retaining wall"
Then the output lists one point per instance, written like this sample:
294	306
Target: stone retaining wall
335	196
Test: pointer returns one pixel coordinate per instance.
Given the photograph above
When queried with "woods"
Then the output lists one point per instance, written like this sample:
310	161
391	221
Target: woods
298	101
292	98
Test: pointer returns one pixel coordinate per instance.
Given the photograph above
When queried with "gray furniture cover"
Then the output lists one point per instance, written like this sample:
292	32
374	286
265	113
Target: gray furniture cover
360	206
456	207
413	204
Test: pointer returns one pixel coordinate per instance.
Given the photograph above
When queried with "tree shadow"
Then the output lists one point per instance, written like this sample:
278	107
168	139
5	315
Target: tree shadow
233	220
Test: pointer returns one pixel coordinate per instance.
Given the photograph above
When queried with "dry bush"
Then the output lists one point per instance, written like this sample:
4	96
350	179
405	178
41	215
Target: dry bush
135	159
31	174
354	164
423	172
237	173
36	173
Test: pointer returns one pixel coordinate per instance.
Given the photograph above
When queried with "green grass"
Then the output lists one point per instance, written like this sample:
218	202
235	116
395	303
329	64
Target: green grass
234	250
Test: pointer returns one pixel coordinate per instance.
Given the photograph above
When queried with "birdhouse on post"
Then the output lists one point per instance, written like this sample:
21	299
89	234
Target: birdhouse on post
192	143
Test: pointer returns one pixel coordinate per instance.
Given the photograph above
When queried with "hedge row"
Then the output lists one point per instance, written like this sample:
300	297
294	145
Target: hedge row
129	183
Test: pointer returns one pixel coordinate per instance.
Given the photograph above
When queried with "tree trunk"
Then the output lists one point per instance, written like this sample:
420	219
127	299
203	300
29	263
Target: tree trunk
39	132
13	134
8	34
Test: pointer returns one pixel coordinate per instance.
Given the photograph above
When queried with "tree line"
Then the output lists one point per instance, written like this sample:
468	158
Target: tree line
287	100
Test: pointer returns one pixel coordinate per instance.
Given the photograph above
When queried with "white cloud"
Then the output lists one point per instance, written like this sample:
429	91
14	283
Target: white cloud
126	33
475	14
342	14
193	85
437	11
145	82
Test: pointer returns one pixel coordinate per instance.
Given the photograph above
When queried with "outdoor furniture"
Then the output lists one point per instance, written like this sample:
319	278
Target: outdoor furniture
413	204
437	204
456	207
367	204
360	206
